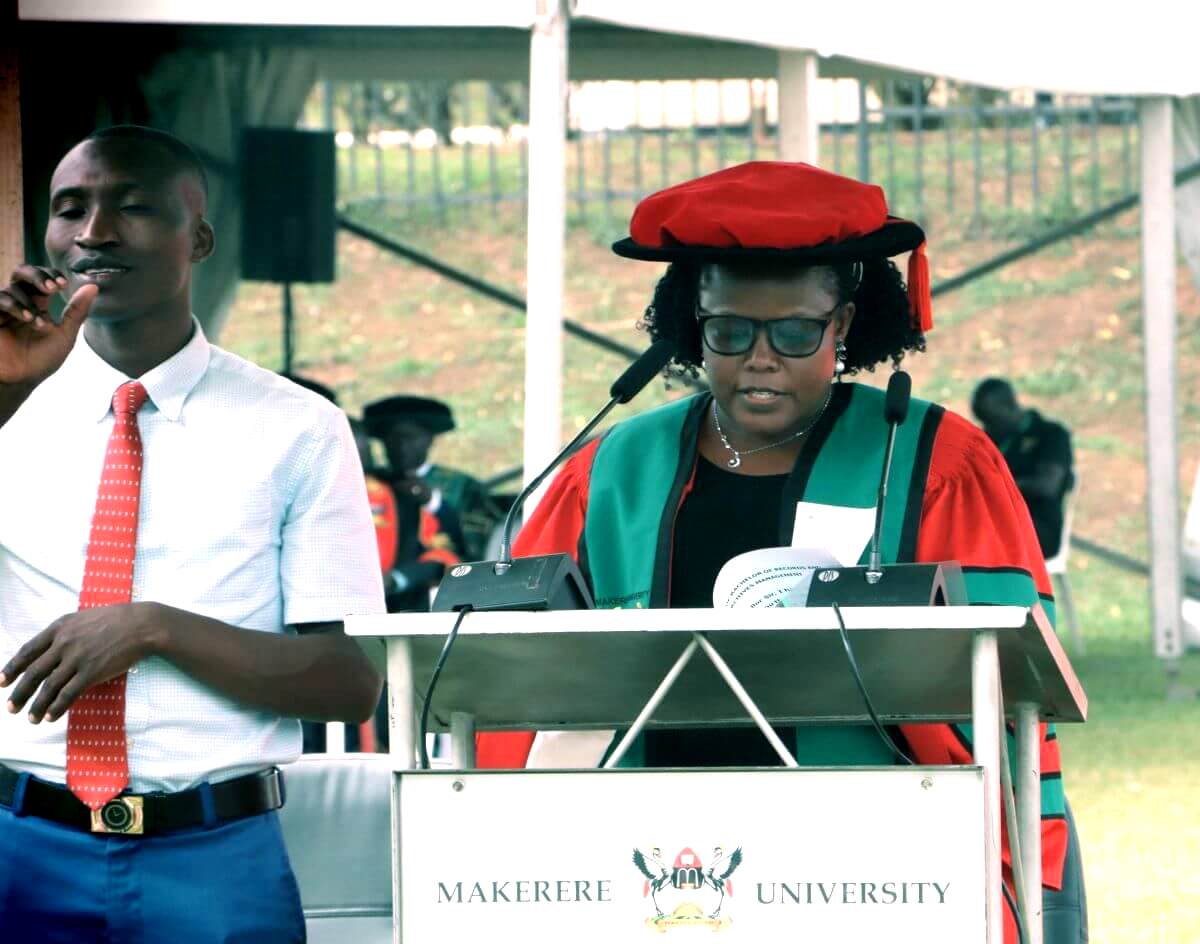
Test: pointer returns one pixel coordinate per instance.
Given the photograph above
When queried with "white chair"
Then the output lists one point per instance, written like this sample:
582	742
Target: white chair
337	827
1191	568
1056	567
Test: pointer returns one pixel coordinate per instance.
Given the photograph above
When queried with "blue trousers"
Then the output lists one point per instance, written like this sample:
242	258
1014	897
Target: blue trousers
230	884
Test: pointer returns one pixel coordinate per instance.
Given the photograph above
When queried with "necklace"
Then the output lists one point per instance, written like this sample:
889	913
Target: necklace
737	456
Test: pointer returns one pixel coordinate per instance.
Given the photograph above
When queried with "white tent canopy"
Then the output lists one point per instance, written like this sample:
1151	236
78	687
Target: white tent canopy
515	14
1057	45
1053	45
1061	46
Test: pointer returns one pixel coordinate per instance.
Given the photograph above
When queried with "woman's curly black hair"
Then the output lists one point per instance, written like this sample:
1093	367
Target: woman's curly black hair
882	329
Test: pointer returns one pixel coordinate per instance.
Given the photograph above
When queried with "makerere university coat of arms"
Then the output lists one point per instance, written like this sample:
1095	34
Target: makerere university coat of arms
688	894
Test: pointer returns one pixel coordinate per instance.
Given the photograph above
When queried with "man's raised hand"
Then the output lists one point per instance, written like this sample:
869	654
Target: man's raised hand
32	346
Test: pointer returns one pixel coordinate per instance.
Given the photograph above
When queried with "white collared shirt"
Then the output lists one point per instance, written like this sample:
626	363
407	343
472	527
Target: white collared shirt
253	512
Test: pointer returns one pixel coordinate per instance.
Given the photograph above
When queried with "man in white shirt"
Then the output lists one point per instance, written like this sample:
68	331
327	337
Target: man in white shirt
223	509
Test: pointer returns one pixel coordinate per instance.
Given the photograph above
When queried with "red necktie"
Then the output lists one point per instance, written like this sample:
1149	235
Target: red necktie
97	761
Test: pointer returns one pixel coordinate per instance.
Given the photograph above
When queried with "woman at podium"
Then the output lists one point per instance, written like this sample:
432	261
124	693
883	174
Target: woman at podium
779	288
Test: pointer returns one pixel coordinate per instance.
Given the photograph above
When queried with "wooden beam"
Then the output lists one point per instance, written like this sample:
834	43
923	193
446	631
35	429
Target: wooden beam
12	205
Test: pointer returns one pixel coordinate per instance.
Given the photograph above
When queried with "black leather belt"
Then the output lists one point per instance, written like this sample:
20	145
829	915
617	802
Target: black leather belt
146	813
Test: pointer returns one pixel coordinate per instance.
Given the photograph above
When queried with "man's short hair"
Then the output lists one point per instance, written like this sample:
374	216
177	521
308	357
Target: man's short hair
989	388
184	157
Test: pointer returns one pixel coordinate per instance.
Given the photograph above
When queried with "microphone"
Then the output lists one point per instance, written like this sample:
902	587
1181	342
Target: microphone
553	581
895	401
895	412
647	366
933	584
624	389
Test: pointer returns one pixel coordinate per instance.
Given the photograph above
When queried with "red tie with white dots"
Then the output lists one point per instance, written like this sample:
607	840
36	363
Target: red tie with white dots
97	760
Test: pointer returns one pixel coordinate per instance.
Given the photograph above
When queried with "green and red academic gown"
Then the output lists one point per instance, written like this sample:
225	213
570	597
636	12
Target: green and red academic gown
613	508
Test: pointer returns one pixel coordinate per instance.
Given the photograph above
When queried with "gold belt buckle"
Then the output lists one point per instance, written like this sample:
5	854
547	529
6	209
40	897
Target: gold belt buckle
121	814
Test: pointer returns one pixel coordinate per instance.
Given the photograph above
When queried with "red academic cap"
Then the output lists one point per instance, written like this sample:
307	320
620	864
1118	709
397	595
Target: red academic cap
774	210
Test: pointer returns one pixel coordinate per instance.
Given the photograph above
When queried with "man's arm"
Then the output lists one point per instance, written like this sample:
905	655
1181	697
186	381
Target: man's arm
320	674
32	346
1053	469
1047	482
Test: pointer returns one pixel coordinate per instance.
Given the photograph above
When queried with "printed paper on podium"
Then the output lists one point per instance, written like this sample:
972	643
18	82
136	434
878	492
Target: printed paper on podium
823	536
764	577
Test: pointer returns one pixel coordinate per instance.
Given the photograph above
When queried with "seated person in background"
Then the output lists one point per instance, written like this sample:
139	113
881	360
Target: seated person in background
478	512
1038	453
428	533
422	421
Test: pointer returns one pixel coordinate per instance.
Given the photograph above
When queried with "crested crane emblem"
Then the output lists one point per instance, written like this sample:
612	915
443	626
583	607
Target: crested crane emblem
688	893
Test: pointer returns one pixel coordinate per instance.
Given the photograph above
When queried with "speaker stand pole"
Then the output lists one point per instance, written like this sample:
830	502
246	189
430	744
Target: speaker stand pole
288	339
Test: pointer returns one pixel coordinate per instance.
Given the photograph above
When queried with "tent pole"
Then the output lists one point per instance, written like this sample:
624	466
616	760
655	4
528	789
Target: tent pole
289	329
1159	327
799	129
546	235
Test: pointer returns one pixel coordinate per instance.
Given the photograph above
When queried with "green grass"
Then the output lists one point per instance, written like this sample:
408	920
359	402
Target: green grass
1130	772
1002	286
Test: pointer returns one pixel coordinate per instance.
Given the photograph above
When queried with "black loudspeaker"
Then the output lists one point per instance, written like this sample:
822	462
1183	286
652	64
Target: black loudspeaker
289	219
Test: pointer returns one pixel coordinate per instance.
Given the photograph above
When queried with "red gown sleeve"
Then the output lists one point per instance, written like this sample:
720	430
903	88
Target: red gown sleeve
973	512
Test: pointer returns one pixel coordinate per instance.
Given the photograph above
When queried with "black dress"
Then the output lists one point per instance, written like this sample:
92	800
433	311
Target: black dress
724	515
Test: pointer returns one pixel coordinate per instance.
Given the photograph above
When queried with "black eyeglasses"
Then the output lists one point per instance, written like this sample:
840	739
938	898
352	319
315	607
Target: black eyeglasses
788	337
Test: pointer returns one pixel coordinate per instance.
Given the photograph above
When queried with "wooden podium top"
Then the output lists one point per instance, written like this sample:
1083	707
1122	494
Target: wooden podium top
593	669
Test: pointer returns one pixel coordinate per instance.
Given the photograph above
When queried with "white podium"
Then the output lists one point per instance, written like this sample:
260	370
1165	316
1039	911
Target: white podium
551	853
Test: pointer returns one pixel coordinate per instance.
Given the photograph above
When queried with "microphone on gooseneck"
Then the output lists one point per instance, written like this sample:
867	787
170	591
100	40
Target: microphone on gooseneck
905	584
549	582
895	401
624	389
895	412
648	366
911	584
552	581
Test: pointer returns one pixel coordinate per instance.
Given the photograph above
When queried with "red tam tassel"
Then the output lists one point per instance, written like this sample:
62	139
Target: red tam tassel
919	297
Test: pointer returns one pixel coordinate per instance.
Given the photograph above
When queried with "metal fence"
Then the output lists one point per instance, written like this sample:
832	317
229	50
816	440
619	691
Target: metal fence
951	156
